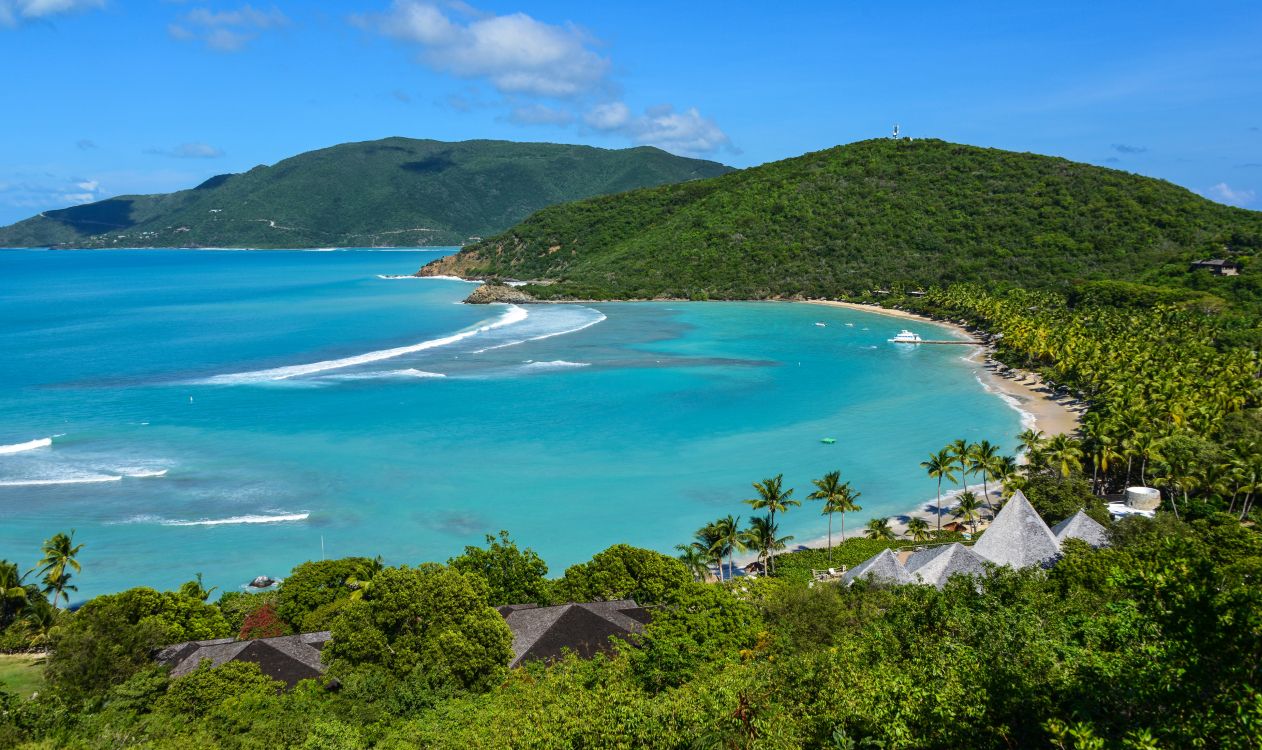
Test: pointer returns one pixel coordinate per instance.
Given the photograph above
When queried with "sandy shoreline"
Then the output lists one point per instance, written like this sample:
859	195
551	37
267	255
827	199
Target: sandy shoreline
1040	410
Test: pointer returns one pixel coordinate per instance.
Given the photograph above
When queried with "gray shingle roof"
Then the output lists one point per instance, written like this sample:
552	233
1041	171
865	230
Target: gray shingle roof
288	658
935	565
1084	527
882	567
1018	536
584	628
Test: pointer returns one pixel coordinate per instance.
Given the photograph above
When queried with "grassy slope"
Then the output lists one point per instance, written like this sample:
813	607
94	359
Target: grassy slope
22	674
864	216
372	193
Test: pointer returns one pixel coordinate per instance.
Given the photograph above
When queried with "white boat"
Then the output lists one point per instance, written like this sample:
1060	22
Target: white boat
821	325
906	337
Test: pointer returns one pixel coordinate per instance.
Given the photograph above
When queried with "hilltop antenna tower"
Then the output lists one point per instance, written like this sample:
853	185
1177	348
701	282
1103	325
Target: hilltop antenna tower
894	136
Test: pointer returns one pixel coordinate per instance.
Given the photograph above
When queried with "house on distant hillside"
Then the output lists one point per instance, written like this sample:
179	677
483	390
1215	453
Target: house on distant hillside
1217	266
288	658
542	633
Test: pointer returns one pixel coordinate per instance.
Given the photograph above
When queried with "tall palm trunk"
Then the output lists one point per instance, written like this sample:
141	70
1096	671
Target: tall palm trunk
830	538
939	505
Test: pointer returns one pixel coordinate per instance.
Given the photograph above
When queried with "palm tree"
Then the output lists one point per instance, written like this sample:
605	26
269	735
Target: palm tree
985	457
59	553
940	466
13	592
879	528
962	454
772	497
761	536
729	540
694	560
838	497
705	543
1065	451
918	529
967	509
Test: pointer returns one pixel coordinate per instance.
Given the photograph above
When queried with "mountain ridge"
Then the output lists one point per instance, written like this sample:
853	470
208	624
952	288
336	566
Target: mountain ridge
393	191
866	216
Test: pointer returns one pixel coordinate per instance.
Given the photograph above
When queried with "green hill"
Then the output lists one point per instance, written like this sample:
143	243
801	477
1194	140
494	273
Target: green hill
867	216
396	192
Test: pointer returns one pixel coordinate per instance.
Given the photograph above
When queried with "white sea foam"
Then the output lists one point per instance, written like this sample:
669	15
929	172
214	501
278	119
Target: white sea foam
276	518
599	317
514	314
556	364
444	278
406	373
92	479
144	473
29	445
1028	420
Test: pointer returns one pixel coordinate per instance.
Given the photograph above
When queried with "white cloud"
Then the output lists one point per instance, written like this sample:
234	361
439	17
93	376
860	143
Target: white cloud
610	116
226	30
46	191
13	12
538	114
188	151
686	132
515	53
1224	193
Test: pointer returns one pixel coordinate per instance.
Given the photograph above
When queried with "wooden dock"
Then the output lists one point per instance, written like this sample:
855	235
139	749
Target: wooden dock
953	341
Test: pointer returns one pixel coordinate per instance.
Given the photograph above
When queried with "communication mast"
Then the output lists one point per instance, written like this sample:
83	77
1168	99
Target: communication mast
894	137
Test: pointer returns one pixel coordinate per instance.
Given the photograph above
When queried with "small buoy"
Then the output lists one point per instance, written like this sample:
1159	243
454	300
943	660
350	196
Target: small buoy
828	441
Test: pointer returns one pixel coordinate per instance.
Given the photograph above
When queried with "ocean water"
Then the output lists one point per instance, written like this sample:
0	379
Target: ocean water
235	413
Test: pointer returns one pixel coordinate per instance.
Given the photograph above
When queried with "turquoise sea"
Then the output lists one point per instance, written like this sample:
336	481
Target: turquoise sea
238	412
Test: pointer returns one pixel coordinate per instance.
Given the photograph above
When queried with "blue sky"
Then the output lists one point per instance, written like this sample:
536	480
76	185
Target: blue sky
106	97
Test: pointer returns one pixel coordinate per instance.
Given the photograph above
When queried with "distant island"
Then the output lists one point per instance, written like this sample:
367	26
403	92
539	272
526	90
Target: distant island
868	217
396	192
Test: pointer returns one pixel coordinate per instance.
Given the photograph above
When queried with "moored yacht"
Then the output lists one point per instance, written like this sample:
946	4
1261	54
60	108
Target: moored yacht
906	337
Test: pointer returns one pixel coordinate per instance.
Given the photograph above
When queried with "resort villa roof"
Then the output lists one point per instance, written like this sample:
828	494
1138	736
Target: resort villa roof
1081	526
287	658
1018	536
882	567
585	628
935	565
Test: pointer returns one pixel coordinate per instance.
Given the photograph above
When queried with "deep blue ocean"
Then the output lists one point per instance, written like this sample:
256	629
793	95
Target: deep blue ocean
235	413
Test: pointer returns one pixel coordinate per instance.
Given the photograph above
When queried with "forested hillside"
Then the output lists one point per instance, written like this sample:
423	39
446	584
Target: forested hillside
397	192
871	215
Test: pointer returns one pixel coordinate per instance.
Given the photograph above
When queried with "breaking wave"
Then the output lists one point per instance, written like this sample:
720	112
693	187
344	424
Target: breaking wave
259	518
514	314
93	479
29	445
556	364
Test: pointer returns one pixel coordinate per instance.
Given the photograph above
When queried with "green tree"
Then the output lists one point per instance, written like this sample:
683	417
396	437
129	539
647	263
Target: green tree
624	572
433	619
773	498
879	528
940	466
838	497
315	585
60	554
729	541
918	528
702	624
112	637
764	537
514	576
966	509
208	687
1066	453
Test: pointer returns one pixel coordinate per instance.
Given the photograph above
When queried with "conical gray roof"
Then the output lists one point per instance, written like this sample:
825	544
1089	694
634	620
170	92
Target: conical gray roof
882	567
934	565
1084	527
1018	536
